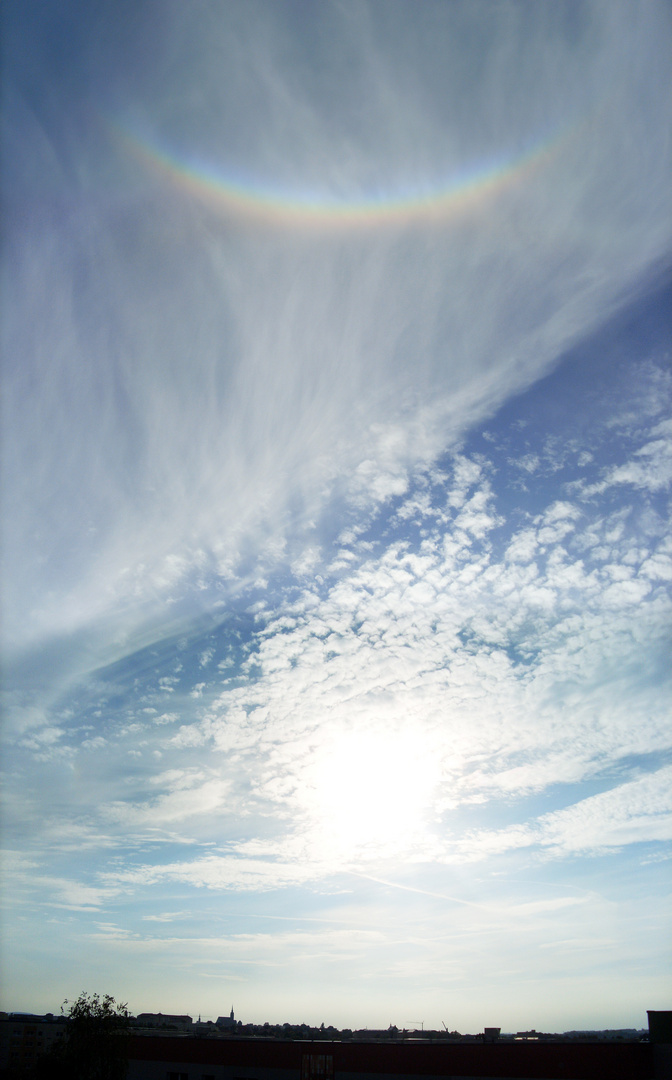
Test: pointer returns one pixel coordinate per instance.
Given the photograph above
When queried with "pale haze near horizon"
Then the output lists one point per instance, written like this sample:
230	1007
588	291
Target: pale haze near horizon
336	468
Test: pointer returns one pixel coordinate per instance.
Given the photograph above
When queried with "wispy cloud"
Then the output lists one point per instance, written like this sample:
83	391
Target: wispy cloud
286	367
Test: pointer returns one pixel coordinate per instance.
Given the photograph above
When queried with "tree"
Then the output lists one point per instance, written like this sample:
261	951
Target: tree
96	1038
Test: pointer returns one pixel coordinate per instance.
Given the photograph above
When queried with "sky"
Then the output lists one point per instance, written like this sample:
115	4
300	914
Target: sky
336	552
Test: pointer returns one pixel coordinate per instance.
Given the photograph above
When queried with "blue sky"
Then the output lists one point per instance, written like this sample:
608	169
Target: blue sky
336	550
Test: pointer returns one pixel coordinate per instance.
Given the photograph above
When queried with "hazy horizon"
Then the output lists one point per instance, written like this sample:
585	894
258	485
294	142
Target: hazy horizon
336	553
394	1029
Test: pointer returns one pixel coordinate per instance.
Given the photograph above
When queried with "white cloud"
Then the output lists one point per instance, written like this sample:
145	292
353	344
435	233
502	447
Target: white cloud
189	795
166	718
222	872
22	875
500	670
45	736
634	812
528	463
649	469
640	810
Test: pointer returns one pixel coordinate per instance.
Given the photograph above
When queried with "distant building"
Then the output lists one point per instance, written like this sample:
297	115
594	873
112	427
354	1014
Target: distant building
164	1020
205	1027
227	1021
24	1038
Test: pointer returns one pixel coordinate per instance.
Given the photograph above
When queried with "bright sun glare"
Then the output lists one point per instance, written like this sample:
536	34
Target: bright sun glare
373	791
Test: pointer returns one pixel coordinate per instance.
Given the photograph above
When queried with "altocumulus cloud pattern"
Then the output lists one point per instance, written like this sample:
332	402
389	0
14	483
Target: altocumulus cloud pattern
336	474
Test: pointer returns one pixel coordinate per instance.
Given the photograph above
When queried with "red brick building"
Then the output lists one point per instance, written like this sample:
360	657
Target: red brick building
154	1058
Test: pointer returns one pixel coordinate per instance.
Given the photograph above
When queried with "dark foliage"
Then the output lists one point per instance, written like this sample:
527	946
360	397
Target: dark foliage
96	1038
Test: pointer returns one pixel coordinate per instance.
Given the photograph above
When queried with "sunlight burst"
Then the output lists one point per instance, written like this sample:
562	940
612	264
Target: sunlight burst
372	791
